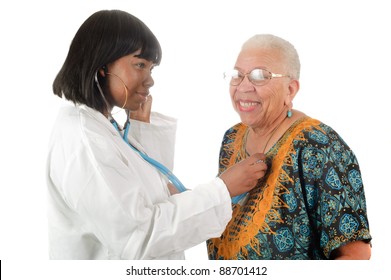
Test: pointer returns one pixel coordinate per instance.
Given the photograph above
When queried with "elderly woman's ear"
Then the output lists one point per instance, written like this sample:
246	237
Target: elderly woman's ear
293	88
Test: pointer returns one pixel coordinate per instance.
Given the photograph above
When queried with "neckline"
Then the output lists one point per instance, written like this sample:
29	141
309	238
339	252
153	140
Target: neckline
273	148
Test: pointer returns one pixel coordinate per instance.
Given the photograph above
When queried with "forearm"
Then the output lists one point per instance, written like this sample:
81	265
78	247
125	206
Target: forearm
356	250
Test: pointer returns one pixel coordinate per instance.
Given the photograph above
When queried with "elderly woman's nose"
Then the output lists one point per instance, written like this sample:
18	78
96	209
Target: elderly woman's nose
245	84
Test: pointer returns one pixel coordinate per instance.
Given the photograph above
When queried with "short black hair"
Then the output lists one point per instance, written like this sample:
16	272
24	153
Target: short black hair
104	37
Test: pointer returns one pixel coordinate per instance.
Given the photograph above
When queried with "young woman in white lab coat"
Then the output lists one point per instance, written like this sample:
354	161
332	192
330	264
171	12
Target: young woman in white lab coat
106	199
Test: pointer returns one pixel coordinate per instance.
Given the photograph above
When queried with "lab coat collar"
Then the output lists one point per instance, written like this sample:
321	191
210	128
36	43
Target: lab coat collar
98	116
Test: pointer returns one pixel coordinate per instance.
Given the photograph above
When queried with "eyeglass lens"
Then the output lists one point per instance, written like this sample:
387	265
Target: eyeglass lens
256	76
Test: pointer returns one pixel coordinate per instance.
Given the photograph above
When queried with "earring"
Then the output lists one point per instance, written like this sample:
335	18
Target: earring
289	113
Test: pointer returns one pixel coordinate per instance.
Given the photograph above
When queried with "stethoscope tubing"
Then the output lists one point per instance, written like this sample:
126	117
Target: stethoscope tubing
163	169
236	199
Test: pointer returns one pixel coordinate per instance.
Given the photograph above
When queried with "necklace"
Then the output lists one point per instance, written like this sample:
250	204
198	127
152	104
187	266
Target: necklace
243	153
267	142
271	135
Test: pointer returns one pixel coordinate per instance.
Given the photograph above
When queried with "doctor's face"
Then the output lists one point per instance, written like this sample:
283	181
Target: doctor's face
128	81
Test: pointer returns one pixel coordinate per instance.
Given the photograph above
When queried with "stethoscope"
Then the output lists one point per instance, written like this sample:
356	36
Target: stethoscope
163	169
236	199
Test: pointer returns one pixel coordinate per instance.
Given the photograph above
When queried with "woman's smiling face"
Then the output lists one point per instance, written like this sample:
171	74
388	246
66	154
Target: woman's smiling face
129	80
258	106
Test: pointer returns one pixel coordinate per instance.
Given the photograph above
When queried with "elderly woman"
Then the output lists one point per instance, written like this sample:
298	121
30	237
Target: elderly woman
311	203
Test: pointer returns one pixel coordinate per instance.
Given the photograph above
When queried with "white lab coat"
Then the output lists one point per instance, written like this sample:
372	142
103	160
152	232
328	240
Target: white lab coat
106	202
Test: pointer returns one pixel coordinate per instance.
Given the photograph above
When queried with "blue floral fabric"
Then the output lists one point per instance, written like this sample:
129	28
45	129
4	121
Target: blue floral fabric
320	194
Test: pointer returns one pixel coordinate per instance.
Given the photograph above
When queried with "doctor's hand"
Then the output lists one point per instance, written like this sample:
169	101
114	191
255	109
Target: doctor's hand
173	190
243	176
143	114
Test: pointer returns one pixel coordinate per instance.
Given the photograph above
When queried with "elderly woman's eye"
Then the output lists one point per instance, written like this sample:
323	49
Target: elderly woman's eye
236	74
257	74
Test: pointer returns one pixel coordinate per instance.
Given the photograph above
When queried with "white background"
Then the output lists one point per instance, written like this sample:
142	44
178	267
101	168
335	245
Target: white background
344	48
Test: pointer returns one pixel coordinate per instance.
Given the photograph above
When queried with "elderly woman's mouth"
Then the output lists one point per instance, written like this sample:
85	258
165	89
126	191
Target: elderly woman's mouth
247	105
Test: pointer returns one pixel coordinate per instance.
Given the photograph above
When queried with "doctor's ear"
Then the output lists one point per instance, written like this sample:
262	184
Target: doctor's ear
103	71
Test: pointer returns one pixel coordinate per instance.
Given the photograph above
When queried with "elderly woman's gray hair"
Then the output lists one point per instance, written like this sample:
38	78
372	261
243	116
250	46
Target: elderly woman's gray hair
288	51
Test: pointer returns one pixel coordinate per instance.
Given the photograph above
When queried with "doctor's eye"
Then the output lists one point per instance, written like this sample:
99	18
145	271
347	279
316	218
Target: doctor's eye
140	65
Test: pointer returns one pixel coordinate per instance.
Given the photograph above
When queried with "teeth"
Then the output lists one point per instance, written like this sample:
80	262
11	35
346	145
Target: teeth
247	104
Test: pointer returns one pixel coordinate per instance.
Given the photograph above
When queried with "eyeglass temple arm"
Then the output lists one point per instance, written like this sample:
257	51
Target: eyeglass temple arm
279	75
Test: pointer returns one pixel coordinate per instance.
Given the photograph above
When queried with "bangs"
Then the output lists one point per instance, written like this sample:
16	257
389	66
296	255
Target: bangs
150	49
133	35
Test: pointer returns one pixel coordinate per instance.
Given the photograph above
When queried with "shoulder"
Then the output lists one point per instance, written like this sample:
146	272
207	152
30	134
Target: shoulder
67	126
158	123
316	131
310	134
78	116
162	118
233	132
78	127
235	129
319	140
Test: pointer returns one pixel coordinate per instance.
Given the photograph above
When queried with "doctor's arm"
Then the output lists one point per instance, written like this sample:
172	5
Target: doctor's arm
125	206
124	217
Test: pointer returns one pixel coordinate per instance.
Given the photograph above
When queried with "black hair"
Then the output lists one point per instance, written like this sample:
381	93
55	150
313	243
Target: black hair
104	37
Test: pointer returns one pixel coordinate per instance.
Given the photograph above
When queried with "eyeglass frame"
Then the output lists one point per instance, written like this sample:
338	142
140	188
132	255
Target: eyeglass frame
272	75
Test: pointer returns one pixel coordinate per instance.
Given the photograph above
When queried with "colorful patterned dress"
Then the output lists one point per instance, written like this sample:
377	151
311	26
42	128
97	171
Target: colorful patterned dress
310	202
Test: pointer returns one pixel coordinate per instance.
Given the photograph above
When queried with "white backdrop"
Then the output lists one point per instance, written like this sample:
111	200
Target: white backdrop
344	48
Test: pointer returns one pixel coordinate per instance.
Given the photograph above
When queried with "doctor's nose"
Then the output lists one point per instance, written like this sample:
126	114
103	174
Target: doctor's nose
149	81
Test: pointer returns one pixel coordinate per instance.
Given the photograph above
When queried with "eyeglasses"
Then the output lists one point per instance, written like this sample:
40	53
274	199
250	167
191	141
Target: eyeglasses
257	76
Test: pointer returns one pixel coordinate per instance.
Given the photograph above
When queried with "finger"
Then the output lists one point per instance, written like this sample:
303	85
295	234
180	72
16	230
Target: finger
148	101
258	161
259	156
144	112
147	105
259	167
260	174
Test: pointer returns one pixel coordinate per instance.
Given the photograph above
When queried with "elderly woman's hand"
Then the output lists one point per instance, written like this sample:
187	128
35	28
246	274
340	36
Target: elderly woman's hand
243	176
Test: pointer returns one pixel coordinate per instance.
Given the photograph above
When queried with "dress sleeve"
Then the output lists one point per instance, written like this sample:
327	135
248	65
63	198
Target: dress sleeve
334	190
